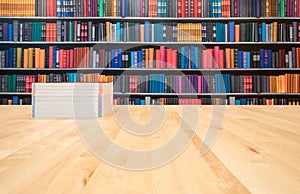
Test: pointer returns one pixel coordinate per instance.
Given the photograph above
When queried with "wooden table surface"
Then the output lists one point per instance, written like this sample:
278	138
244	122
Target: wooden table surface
257	151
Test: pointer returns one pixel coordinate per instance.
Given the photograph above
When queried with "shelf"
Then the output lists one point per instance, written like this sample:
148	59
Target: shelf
204	94
147	43
117	94
158	19
14	93
137	70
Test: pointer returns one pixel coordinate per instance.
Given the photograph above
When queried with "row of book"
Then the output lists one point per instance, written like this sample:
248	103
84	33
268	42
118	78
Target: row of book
161	83
17	100
205	101
151	8
81	31
23	83
187	57
198	84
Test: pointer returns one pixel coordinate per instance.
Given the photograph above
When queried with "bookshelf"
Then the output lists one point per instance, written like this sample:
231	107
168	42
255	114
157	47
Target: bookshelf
261	66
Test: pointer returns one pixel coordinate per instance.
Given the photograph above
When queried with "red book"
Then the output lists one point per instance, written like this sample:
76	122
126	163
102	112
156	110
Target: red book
163	57
169	58
65	59
197	8
221	59
71	64
85	8
204	59
174	59
179	8
49	5
281	58
47	32
157	60
209	57
216	57
199	84
180	84
298	8
50	58
225	8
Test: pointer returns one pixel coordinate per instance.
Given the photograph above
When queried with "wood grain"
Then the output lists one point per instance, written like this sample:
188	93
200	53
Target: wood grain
258	151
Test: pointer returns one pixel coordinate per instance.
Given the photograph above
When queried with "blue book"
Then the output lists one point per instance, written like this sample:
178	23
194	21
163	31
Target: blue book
118	32
261	58
243	101
203	32
142	102
269	58
248	60
139	59
54	57
158	30
58	8
123	8
15	100
240	59
10	32
237	102
196	57
120	64
72	8
231	31
228	83
263	32
219	32
147	31
137	101
162	83
132	59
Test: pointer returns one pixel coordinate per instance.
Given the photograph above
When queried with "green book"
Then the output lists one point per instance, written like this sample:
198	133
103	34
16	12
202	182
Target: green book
71	31
282	9
101	8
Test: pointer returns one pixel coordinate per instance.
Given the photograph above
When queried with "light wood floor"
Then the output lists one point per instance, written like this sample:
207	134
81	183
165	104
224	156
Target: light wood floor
258	151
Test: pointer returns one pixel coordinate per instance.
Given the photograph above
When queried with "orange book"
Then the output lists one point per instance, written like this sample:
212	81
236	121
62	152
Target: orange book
37	57
228	57
237	33
142	35
151	57
42	58
25	62
275	24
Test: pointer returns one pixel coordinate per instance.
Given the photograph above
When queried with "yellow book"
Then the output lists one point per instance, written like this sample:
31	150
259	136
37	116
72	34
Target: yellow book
30	57
19	57
42	58
107	31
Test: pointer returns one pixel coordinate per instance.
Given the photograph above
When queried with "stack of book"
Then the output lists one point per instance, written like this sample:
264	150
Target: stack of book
71	100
